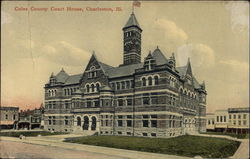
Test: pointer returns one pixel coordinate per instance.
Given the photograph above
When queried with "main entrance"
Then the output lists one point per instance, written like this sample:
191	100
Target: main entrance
86	122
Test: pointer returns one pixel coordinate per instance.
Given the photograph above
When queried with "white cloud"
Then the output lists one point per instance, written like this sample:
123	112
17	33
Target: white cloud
202	56
171	30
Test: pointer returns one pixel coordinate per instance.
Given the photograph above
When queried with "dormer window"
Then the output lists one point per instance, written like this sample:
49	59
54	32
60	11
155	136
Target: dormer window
172	81
149	62
92	73
52	81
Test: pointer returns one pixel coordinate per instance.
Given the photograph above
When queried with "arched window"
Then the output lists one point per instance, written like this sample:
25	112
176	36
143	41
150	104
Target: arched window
92	88
143	81
156	78
55	93
68	91
49	93
127	84
150	81
181	91
118	85
97	87
185	92
123	84
113	85
87	87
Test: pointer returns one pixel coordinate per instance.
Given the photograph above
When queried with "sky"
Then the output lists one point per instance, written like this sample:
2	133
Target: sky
215	35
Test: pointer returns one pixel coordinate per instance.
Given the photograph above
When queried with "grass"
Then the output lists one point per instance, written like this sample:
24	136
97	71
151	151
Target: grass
29	133
239	136
189	146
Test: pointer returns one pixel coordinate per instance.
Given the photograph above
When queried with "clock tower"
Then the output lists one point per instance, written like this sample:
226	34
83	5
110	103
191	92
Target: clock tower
132	41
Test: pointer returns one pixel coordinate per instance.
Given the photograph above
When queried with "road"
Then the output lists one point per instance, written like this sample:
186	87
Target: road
10	149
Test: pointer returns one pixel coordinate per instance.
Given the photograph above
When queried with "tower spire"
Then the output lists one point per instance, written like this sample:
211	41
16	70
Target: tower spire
132	41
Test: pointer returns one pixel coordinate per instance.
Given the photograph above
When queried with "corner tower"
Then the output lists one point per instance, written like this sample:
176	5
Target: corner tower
131	41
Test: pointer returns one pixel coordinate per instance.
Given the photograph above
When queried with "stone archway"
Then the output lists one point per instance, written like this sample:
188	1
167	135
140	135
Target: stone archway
78	119
85	123
93	126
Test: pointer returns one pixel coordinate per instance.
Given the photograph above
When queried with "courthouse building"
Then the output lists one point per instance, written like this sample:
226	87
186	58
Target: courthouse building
150	97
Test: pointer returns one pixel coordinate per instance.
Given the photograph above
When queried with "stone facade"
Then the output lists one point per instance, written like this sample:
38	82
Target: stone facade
8	117
234	120
151	98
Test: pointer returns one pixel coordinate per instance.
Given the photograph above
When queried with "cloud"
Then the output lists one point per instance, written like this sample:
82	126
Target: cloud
6	18
239	12
166	34
202	56
65	53
171	30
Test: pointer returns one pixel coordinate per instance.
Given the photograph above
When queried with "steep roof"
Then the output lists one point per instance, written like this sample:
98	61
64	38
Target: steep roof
105	67
132	21
73	79
159	57
62	76
125	70
182	70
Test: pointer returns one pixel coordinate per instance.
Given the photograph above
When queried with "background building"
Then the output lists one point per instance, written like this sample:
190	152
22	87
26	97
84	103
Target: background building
235	120
31	119
9	117
149	98
238	120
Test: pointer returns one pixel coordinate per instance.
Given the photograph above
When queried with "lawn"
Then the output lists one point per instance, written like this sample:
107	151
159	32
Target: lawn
29	133
239	136
187	145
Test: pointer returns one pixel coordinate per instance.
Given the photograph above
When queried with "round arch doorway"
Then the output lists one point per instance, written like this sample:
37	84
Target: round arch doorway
93	126
85	123
79	121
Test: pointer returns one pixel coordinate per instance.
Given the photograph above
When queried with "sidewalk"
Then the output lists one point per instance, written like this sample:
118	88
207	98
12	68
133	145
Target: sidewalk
119	153
243	150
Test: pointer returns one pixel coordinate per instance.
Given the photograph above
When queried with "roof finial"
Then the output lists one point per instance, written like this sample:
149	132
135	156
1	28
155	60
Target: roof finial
157	47
62	70
203	84
52	74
